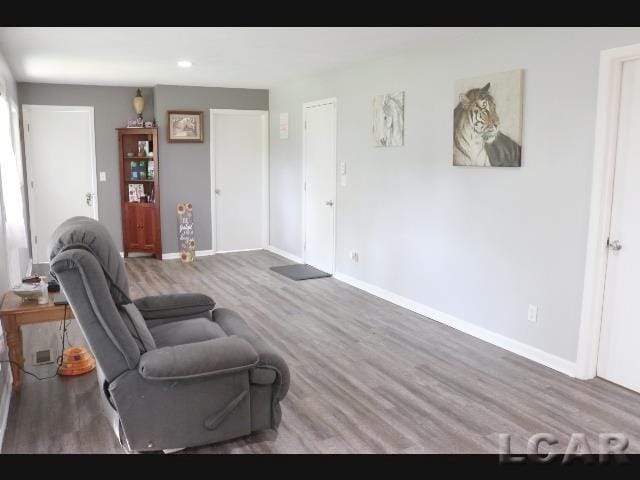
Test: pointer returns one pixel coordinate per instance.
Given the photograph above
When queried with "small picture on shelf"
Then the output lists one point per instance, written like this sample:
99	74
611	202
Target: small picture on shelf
143	148
134	170
133	192
133	123
151	169
136	192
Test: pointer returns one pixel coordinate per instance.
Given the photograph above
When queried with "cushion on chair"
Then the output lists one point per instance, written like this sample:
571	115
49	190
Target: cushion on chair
186	331
137	327
174	305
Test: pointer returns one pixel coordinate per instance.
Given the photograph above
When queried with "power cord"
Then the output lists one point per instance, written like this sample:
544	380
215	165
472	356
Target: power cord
63	327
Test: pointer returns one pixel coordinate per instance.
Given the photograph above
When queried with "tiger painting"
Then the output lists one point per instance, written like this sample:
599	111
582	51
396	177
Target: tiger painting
477	139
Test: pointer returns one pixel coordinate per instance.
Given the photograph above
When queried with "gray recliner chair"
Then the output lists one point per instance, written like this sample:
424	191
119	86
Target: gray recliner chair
175	371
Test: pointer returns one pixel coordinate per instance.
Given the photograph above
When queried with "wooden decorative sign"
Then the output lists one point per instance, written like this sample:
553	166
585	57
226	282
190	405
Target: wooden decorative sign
186	241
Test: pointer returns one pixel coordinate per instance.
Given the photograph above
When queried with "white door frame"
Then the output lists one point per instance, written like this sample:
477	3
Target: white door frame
264	115
26	109
316	103
606	135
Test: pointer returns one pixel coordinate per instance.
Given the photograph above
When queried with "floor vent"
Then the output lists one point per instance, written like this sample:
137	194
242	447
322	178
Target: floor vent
42	357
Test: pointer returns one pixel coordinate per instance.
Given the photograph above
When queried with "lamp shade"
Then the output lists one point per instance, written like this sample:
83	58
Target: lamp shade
138	103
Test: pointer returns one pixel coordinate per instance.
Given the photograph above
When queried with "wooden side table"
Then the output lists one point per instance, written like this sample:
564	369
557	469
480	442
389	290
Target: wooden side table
15	313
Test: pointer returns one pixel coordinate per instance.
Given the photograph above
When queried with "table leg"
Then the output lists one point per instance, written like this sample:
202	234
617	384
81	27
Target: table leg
13	335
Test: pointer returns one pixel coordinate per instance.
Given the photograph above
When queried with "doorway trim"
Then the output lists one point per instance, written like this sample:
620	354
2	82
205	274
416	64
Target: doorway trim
264	115
608	106
316	103
26	109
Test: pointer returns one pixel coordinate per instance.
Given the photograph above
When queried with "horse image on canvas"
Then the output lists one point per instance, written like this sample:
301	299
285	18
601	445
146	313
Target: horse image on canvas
388	120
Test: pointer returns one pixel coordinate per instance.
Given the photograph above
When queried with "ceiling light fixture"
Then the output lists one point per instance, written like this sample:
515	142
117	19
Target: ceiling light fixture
184	63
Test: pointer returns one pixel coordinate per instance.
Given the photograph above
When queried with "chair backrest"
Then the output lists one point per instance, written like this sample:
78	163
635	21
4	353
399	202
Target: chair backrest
92	275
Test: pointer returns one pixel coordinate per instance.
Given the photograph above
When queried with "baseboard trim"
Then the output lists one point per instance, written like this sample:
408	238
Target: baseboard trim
174	255
241	250
532	353
5	400
285	254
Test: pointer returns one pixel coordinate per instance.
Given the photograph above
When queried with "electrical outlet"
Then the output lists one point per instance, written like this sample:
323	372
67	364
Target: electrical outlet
532	314
353	255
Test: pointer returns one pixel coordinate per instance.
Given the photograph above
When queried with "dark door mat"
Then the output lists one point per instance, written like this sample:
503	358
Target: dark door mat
300	272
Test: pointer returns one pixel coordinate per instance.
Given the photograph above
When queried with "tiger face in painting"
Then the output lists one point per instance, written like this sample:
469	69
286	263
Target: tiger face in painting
475	123
477	139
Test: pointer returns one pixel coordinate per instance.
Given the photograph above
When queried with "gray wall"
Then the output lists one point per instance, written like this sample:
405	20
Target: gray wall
112	109
476	243
185	174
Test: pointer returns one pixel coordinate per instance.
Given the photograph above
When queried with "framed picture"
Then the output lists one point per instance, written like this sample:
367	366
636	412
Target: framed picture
487	120
136	192
143	148
388	120
185	127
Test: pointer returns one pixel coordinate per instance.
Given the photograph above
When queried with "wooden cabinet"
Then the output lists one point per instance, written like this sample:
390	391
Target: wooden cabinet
142	227
140	190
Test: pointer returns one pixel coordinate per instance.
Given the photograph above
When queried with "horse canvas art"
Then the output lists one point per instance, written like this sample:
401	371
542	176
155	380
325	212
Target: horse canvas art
487	121
388	120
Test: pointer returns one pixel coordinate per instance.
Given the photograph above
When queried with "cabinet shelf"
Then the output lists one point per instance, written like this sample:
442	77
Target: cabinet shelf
141	204
141	230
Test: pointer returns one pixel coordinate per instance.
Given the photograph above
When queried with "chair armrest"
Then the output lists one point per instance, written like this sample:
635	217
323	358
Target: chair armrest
200	359
174	305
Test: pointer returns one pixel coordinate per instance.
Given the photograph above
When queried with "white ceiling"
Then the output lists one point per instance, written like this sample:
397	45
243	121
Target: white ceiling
226	57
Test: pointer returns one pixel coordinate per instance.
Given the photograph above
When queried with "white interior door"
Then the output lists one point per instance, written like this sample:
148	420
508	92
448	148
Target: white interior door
619	353
61	172
320	184
239	179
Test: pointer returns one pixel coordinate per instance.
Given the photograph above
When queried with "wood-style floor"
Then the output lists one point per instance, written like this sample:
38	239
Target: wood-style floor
366	376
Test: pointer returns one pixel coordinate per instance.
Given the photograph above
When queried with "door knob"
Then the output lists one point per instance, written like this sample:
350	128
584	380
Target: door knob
217	190
614	246
329	203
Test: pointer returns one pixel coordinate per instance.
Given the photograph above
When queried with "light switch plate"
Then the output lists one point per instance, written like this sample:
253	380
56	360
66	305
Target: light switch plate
103	176
532	314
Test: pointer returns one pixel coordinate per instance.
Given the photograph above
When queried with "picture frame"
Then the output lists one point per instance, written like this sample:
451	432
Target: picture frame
185	127
143	148
136	191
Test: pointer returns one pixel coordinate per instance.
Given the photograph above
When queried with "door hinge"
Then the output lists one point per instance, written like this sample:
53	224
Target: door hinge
28	127
305	124
35	239
32	184
305	186
304	247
